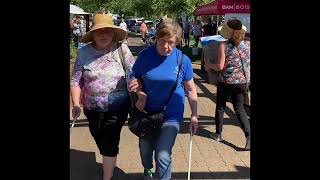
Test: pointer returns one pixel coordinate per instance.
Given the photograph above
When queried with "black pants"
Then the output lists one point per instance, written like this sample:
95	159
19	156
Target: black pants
105	127
236	91
186	39
143	37
197	38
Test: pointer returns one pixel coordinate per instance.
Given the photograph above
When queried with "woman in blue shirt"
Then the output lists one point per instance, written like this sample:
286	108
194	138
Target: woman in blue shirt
157	68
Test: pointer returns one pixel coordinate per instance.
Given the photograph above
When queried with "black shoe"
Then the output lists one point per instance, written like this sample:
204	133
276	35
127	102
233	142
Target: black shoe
248	144
216	136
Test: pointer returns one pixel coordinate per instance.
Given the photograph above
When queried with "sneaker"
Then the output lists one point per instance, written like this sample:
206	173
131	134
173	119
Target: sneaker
248	144
147	174
216	136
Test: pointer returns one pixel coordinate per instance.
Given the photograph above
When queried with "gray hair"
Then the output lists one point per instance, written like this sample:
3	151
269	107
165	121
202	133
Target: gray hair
170	28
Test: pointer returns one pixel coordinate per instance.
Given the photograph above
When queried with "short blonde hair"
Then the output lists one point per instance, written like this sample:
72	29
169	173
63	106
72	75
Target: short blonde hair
170	28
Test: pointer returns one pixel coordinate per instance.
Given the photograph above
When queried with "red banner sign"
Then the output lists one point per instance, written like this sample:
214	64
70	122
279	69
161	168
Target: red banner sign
221	7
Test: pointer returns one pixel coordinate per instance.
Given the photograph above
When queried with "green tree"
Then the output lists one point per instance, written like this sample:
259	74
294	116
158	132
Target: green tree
192	5
121	7
142	8
90	6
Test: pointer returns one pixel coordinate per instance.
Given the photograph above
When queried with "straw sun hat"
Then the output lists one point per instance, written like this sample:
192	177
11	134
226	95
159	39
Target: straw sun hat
226	31
104	21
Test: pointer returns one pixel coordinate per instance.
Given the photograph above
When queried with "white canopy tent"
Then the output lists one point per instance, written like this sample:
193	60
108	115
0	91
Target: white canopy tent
76	10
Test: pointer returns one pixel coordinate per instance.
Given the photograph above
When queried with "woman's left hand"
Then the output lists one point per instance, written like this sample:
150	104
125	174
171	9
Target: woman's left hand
193	124
134	85
141	102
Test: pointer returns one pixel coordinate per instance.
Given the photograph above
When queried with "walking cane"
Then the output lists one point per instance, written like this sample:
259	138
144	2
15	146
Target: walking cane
190	150
72	125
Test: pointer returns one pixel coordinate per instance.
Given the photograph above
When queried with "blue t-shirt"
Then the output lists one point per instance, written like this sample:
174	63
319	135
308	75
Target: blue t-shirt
158	74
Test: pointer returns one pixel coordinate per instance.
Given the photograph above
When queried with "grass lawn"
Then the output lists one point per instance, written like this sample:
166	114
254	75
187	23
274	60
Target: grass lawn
192	42
188	51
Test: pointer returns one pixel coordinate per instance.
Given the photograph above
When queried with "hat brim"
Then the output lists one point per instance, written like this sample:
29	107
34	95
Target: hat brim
226	31
119	34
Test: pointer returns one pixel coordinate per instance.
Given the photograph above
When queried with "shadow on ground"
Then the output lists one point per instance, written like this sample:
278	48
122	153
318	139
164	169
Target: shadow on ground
83	166
204	121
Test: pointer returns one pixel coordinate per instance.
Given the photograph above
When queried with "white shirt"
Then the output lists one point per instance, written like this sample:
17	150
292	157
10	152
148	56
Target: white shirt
123	26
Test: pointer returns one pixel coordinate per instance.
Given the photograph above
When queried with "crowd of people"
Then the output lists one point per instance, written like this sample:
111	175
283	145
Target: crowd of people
196	28
77	29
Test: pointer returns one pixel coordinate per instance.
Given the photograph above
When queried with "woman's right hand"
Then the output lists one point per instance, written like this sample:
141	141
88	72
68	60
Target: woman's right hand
134	85
142	100
76	111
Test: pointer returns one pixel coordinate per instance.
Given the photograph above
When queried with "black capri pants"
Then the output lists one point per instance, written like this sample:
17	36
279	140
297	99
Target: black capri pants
105	127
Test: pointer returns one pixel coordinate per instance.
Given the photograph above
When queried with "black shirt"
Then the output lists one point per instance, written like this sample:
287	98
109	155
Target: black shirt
208	30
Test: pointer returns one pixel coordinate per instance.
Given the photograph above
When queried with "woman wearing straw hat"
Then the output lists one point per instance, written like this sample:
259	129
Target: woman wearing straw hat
99	76
234	65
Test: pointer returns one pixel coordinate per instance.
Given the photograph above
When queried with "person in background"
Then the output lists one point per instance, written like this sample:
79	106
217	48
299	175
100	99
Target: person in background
123	25
186	33
143	31
76	32
197	32
179	21
234	78
208	29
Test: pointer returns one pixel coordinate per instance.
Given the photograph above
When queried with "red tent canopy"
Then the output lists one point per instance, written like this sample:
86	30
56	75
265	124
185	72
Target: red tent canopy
221	7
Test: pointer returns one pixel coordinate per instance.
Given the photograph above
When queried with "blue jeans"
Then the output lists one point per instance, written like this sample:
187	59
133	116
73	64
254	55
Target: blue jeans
163	149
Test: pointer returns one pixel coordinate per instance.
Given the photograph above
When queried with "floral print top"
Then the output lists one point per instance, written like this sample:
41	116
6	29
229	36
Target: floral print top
101	77
235	71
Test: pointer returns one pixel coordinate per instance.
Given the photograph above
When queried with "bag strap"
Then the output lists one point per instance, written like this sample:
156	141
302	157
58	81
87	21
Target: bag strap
176	83
244	72
173	88
133	97
120	52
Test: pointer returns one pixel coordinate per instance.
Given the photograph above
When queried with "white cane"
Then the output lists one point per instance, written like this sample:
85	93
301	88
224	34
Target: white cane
190	150
72	125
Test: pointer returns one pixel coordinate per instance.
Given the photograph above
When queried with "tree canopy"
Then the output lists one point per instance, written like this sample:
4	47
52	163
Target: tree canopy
141	8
